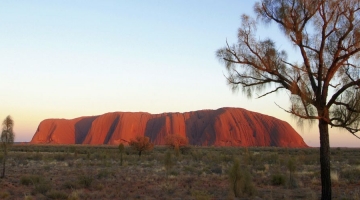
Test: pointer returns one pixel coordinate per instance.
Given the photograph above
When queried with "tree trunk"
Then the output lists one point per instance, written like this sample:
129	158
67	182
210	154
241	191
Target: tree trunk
325	160
235	188
4	161
121	159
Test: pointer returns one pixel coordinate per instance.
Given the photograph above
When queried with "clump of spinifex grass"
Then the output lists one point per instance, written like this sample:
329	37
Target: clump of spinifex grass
41	185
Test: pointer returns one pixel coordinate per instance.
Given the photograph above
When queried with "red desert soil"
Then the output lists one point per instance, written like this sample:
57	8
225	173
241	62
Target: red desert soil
221	127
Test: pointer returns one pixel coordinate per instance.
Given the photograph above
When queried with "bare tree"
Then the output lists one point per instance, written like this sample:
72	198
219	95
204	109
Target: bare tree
6	139
324	86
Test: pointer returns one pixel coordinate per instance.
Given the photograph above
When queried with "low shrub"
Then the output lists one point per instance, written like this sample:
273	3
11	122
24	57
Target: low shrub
190	169
4	195
272	158
28	197
42	187
173	172
103	174
278	179
30	179
85	180
70	185
200	195
196	155
59	156
216	169
47	167
351	175
353	161
74	196
226	158
35	156
54	194
185	150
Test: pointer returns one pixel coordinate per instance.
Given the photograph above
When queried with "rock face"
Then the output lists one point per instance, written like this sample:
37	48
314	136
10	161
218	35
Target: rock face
221	127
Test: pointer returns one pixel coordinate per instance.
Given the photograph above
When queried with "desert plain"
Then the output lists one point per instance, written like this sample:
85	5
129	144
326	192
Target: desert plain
97	172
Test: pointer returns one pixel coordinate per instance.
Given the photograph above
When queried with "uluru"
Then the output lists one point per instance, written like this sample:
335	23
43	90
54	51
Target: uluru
221	127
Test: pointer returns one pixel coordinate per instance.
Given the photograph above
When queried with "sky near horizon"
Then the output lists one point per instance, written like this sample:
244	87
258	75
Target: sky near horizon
66	59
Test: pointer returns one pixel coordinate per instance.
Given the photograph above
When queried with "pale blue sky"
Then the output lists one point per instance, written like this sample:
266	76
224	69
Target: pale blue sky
65	59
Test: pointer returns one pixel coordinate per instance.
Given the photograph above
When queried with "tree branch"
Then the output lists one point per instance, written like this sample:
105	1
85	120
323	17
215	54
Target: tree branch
340	91
293	112
347	106
270	92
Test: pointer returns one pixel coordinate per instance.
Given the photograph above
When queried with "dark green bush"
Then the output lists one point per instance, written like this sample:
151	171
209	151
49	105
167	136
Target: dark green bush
216	169
70	185
35	156
278	179
272	158
42	187
30	179
59	156
185	150
354	161
351	175
85	180
103	174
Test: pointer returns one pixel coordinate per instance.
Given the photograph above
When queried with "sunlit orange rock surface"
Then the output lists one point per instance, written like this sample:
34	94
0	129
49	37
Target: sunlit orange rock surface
221	127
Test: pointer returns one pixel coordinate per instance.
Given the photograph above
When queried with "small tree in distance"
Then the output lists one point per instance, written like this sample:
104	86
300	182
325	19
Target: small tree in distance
168	162
176	142
324	85
141	143
241	180
121	150
6	139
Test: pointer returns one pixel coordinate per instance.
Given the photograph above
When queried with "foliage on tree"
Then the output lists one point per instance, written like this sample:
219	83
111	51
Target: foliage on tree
324	85
141	143
176	142
6	139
